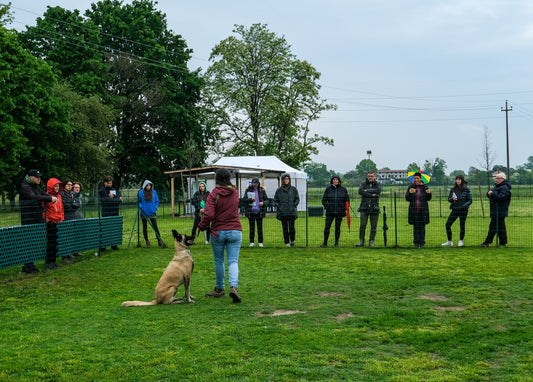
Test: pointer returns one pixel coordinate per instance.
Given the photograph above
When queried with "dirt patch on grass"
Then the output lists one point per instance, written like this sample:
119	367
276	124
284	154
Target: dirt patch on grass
329	294
433	297
344	316
450	308
281	312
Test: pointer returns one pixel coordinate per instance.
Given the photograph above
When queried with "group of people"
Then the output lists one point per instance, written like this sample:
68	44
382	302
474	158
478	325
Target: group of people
61	201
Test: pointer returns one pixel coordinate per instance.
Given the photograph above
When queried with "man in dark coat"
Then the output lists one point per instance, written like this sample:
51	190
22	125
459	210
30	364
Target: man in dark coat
418	195
32	198
500	198
370	190
110	200
334	201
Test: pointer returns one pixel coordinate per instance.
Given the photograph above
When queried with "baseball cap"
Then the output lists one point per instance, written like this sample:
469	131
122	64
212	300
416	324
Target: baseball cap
35	173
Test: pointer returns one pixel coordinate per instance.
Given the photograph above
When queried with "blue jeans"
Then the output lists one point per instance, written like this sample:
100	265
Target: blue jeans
231	240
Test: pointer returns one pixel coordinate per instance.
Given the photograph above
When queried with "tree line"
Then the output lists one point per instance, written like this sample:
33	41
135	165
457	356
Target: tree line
109	91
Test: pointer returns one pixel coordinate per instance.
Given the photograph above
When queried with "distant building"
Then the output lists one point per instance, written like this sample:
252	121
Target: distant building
391	175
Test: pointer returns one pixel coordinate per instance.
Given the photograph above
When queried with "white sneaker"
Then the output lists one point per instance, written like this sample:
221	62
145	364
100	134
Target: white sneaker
449	243
252	244
261	245
460	244
206	242
288	245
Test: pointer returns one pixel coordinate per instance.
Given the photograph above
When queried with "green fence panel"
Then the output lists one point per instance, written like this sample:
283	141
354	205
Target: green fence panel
111	231
22	244
78	236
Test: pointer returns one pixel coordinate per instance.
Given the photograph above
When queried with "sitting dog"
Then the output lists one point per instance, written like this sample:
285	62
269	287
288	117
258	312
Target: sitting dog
178	272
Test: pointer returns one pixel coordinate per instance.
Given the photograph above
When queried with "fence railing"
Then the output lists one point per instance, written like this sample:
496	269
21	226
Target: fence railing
309	225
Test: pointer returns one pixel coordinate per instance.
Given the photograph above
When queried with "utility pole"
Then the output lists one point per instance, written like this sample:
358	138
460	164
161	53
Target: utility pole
507	110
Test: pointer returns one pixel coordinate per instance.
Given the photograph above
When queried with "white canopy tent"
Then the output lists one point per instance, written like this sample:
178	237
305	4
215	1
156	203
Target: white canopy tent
264	164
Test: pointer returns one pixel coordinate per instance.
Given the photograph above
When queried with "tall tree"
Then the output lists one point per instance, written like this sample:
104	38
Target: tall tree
153	89
487	155
33	122
262	98
364	166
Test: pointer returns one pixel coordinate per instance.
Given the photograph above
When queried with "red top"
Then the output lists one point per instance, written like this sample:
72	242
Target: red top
54	211
222	210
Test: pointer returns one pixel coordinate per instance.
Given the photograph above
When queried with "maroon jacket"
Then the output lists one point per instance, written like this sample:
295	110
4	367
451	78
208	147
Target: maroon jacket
222	210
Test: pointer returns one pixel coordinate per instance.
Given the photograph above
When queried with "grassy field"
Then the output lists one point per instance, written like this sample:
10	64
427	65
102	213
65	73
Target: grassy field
308	314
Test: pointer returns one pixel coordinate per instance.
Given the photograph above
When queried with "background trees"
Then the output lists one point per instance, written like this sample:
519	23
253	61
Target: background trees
262	98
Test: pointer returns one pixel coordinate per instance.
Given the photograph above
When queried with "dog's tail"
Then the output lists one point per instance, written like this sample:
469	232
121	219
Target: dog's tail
138	303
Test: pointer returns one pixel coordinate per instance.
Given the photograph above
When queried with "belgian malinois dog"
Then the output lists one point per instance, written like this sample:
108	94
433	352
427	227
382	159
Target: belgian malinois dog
178	272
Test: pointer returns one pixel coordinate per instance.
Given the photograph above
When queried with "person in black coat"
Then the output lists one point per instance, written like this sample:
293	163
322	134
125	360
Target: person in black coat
418	195
31	199
500	198
460	199
110	200
255	198
370	190
286	200
334	201
198	201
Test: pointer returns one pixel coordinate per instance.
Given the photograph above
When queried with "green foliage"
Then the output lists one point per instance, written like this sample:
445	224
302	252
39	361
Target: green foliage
413	167
363	167
437	169
34	121
262	98
318	174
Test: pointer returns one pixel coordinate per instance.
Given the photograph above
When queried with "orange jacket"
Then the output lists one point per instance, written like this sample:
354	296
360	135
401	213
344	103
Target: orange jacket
54	211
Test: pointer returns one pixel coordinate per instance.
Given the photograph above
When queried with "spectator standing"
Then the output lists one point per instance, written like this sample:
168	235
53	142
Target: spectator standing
71	207
31	200
418	195
148	203
76	191
198	201
334	201
54	214
460	199
255	198
370	190
221	216
286	199
500	198
110	200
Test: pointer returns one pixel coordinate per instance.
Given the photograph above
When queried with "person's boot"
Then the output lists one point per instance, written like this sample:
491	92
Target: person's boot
216	293
360	244
371	244
160	243
148	245
234	294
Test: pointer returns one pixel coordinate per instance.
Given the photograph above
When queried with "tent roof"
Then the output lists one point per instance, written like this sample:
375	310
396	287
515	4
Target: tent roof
258	163
264	165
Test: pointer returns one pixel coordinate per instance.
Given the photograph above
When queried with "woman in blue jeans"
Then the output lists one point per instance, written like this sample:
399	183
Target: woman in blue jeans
221	217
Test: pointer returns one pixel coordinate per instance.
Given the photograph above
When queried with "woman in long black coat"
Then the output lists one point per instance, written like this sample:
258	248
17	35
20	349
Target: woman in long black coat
418	195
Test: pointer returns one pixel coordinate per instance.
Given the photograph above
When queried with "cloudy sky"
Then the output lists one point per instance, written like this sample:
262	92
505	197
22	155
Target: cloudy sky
414	80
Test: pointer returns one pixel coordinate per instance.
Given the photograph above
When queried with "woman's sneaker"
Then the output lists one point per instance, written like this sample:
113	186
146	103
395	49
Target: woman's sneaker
216	293
449	243
234	294
460	244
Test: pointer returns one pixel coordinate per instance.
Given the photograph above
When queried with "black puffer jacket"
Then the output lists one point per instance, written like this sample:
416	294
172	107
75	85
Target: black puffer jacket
248	201
286	199
500	199
464	199
370	191
71	205
335	198
424	199
32	198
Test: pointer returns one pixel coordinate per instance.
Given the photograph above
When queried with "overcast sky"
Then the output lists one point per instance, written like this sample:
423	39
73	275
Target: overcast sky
413	80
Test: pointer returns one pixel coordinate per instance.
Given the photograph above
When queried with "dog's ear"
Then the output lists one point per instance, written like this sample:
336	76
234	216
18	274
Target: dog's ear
175	234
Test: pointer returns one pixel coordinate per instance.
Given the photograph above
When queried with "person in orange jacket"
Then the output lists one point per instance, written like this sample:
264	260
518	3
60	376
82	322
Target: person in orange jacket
54	214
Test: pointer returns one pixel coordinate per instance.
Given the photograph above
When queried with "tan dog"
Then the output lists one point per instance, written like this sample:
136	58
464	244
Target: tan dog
178	272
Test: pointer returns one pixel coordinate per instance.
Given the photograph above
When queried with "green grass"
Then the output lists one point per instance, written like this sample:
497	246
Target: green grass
355	314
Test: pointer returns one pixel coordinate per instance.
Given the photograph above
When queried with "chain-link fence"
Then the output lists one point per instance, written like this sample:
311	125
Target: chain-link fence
310	223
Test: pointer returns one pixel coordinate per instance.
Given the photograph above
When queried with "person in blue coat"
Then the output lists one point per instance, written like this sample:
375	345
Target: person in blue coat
149	203
460	199
500	198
